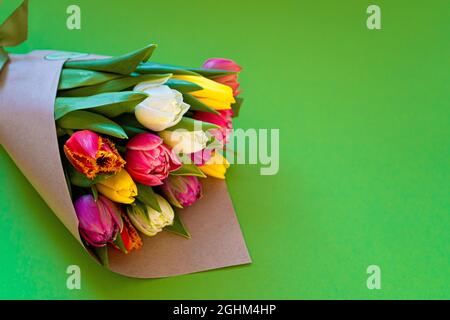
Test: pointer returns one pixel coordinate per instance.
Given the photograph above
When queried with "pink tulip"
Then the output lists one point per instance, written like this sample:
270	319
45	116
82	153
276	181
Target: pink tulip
99	221
182	191
149	161
225	64
224	121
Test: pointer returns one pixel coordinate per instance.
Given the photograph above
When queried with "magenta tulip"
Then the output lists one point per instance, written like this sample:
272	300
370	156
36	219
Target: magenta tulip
99	221
149	161
225	64
182	191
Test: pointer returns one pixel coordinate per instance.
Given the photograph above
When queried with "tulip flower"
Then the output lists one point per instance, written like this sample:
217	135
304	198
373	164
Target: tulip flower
99	221
216	166
223	120
214	94
163	108
92	154
182	191
130	237
183	141
118	188
152	221
230	80
222	135
149	161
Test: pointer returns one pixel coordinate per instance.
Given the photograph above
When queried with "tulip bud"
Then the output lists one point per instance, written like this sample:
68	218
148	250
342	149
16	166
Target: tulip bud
118	188
91	154
163	108
183	141
230	80
182	191
99	221
151	222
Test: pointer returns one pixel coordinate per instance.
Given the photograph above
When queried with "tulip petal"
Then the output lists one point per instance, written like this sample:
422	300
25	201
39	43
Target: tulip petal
147	179
216	166
144	141
222	63
130	237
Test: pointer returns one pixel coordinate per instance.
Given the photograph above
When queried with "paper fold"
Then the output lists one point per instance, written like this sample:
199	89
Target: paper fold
28	86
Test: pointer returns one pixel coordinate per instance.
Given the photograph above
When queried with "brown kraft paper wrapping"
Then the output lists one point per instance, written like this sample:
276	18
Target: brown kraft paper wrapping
28	85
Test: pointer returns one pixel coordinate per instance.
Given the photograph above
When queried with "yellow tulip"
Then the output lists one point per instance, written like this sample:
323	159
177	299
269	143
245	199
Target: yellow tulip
118	188
216	166
214	94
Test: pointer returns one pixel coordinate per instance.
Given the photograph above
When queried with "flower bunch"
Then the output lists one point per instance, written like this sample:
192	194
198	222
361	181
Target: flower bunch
136	139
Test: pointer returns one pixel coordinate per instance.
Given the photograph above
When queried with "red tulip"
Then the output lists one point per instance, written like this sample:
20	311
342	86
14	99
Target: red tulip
225	64
149	161
91	154
130	237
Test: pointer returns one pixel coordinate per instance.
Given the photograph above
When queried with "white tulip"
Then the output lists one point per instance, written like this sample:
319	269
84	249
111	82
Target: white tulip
152	222
183	142
163	108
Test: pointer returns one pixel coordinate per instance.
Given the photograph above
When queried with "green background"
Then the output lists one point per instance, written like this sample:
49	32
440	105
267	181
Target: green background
364	151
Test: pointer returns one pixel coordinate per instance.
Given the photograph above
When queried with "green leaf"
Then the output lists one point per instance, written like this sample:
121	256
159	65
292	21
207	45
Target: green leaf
116	85
132	131
153	67
94	192
80	180
117	109
189	170
141	208
67	176
190	124
102	254
14	30
124	64
236	107
110	104
74	78
183	86
84	120
197	104
178	227
4	58
130	124
119	243
212	73
128	120
147	196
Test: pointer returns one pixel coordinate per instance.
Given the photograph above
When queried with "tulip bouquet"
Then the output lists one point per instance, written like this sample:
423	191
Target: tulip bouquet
132	148
136	137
